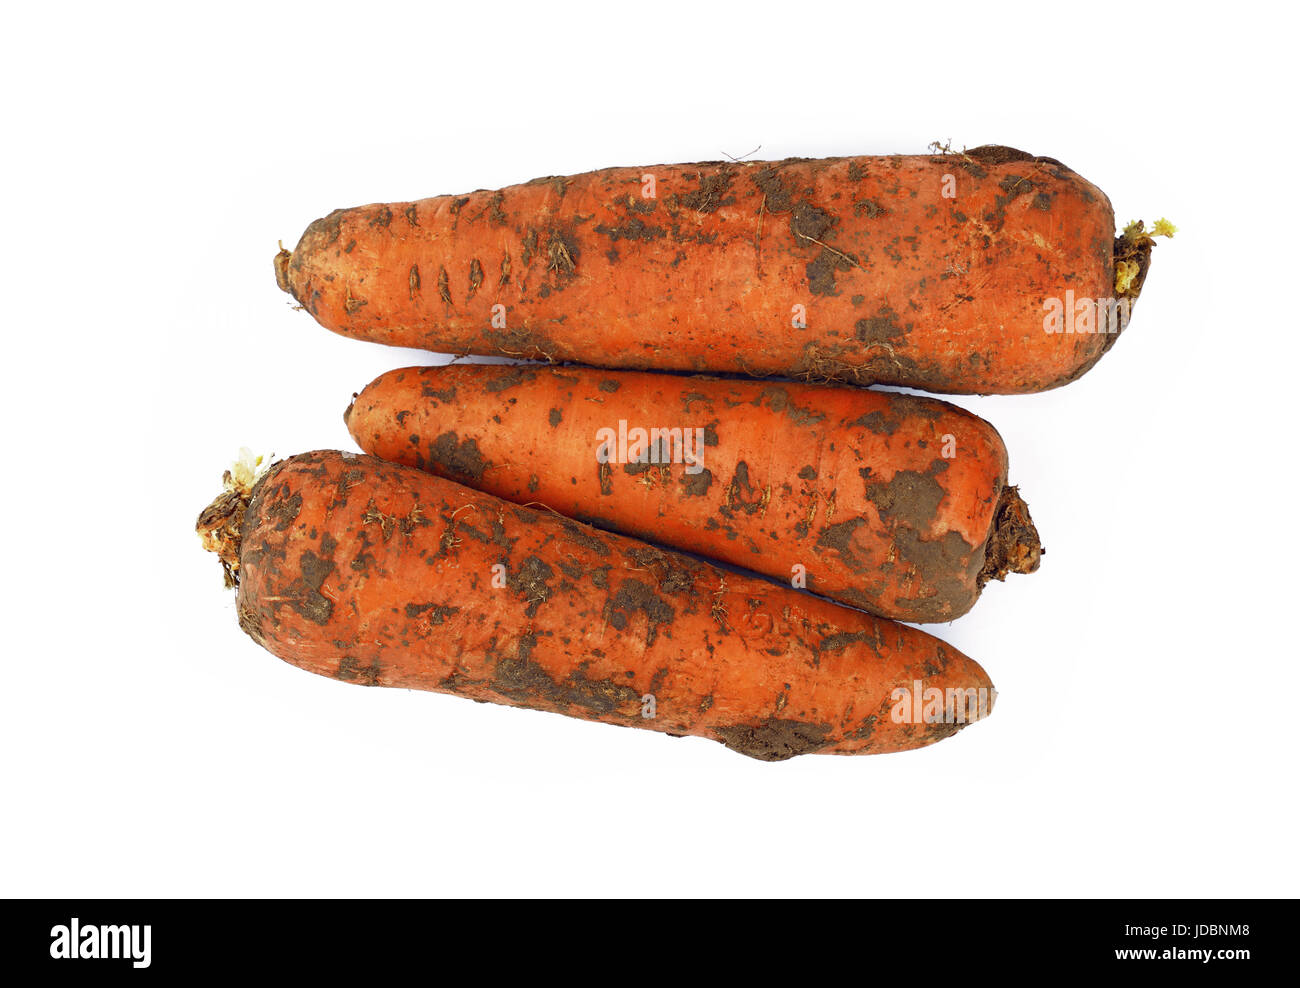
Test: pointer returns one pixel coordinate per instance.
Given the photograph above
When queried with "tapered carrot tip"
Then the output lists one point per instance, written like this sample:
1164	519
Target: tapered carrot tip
1014	546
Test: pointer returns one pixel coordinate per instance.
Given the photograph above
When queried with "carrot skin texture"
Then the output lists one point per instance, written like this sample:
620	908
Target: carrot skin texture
928	271
377	574
884	501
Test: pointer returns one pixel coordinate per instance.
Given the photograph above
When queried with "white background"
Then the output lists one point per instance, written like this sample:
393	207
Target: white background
1144	740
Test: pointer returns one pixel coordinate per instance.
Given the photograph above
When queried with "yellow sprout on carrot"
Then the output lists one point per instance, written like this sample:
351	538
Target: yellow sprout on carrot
1137	230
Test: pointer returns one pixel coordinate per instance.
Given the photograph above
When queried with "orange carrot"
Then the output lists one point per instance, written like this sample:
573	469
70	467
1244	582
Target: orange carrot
377	574
893	503
956	273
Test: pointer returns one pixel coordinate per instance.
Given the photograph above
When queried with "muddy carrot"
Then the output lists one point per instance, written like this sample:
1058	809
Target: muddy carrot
949	272
894	503
377	574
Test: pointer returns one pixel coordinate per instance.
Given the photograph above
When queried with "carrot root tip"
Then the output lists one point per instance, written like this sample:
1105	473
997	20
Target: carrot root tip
1014	546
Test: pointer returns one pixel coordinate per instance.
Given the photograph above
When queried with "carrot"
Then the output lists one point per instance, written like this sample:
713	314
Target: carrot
957	273
376	574
894	503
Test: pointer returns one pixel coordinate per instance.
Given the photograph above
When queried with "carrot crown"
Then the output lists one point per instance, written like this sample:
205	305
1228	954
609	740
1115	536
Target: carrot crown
220	524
